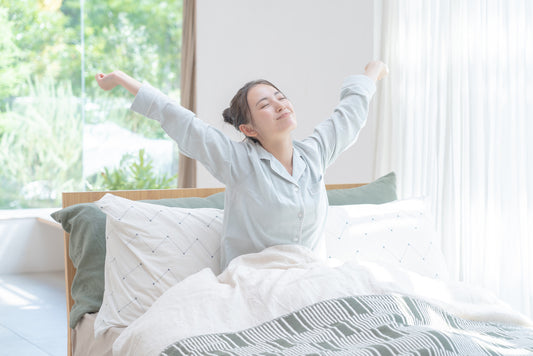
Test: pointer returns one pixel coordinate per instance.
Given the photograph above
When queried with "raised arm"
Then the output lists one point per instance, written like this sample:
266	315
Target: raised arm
195	138
334	135
111	80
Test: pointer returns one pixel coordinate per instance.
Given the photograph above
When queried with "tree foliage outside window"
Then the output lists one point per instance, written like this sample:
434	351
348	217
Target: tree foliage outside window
45	112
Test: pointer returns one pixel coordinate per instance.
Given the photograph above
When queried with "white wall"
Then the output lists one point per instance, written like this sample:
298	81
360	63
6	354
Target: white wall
27	245
305	47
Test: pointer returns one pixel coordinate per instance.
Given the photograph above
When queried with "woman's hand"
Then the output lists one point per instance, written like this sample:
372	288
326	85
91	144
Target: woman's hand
107	81
111	80
376	70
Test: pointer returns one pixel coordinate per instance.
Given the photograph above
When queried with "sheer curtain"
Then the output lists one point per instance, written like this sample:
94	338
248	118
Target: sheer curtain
455	122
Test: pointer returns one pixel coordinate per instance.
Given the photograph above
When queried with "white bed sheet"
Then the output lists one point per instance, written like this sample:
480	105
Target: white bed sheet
84	342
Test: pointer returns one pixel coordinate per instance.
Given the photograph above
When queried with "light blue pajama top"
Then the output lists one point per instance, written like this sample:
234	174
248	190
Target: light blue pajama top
264	205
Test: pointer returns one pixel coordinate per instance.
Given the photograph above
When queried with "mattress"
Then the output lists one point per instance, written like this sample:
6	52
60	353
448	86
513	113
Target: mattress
84	343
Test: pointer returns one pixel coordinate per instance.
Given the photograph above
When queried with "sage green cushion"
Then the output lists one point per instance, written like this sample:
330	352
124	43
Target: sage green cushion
382	190
86	225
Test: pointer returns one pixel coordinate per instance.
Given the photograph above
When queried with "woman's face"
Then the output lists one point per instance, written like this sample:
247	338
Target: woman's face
272	113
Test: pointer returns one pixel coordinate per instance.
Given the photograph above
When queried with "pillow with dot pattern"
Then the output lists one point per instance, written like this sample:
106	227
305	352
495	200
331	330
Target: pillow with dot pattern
399	233
150	248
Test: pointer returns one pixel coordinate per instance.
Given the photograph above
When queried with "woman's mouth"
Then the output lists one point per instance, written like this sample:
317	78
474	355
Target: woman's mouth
284	115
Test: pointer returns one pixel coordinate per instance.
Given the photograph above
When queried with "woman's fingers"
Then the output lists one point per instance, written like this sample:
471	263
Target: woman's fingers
376	70
105	81
384	71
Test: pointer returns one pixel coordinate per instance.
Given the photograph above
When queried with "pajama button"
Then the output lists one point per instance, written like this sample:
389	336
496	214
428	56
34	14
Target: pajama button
295	239
300	215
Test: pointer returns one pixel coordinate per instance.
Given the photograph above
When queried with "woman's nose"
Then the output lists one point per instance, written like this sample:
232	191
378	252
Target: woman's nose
280	106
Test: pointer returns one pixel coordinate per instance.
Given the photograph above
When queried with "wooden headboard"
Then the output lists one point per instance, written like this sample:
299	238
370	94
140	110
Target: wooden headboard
73	198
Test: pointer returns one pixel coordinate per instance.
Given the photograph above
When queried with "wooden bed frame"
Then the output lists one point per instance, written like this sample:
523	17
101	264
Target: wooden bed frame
73	198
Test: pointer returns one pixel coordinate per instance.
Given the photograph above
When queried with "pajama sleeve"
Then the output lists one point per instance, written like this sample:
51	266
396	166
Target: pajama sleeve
195	138
341	129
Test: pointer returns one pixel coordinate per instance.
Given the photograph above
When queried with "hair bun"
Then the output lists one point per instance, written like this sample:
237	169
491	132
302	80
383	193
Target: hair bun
228	118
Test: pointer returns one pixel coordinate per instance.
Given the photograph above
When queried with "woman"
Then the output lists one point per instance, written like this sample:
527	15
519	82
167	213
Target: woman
275	192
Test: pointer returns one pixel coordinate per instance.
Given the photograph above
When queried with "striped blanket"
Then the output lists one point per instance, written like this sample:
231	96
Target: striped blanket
365	325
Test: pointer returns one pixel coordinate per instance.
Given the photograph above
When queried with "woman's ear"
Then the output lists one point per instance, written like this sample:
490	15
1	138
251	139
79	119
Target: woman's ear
248	130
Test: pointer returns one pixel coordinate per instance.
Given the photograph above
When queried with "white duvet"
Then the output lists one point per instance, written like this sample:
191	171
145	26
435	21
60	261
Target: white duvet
259	287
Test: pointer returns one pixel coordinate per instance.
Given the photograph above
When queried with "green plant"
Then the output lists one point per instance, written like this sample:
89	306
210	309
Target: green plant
141	37
40	151
12	69
41	91
105	109
131	174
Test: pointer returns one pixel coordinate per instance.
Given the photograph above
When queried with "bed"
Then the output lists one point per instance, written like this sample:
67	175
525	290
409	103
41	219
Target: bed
378	285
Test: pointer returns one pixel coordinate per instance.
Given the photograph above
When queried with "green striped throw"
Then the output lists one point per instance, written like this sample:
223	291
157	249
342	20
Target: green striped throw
377	325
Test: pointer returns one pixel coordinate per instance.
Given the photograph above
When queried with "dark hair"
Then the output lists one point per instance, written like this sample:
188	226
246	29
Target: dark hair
238	112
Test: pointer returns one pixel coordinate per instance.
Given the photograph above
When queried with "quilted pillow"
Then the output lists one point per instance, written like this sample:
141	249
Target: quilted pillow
399	233
86	225
149	248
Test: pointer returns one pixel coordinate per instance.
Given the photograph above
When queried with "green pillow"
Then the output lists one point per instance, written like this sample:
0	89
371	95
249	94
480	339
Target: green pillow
86	225
382	190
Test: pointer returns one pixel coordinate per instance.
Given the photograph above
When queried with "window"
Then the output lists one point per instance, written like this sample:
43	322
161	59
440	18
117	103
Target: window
58	130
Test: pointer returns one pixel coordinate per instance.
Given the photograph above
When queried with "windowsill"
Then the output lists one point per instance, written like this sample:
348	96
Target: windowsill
26	213
42	215
50	222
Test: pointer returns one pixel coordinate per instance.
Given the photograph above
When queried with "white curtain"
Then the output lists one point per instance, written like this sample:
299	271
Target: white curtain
455	121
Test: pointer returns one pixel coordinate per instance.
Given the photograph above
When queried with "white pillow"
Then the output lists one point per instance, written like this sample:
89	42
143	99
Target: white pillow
399	233
150	248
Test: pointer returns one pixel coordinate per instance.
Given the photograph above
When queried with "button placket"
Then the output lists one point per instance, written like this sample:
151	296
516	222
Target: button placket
300	215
